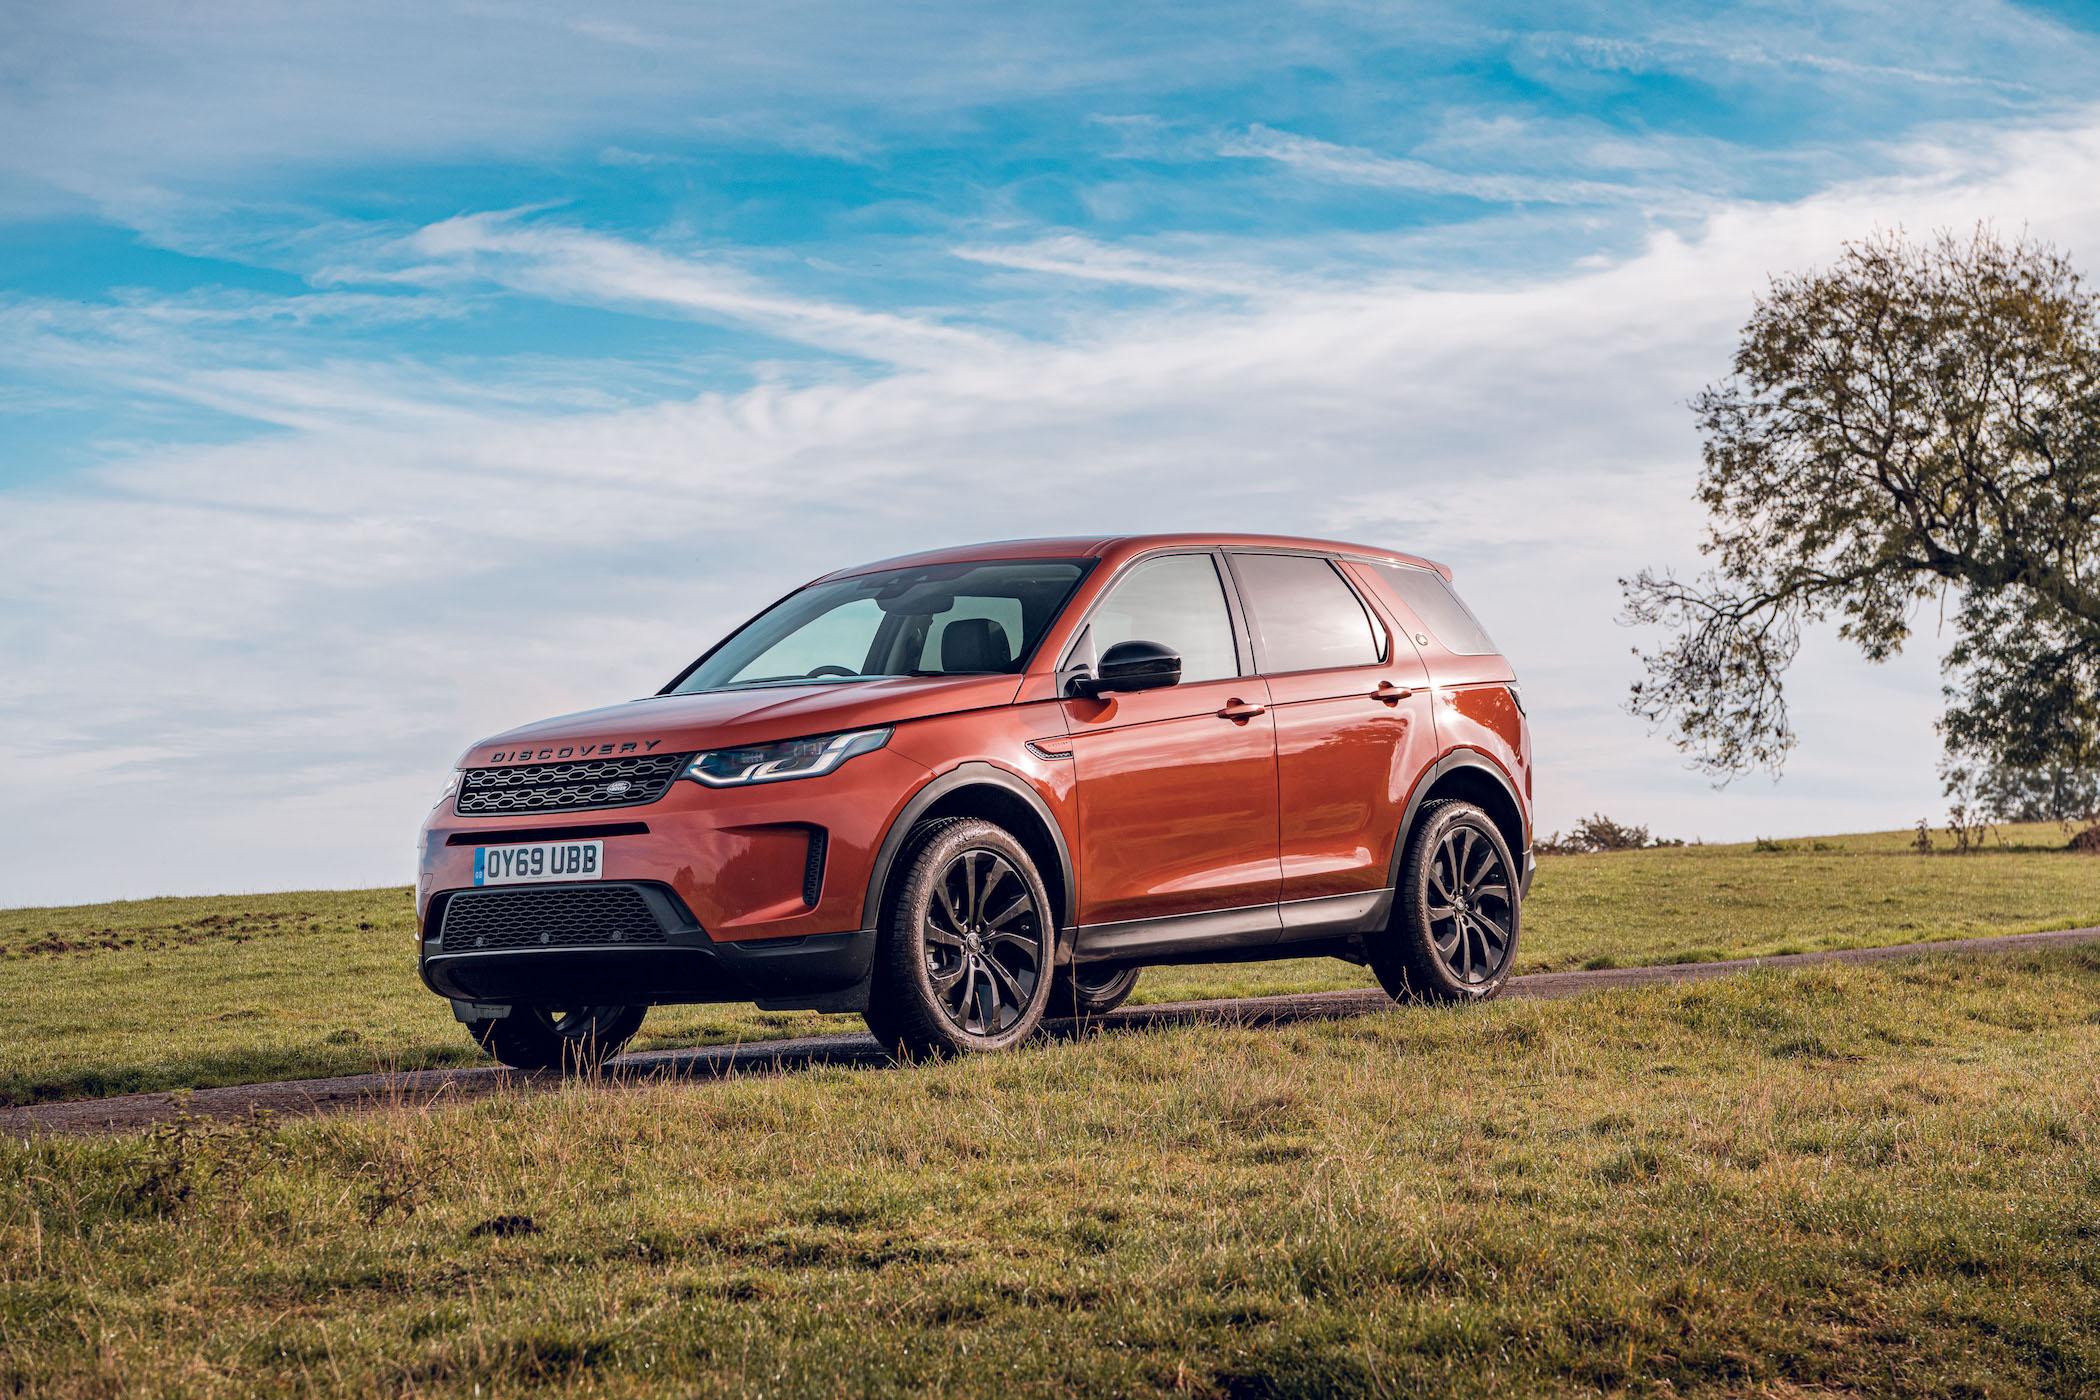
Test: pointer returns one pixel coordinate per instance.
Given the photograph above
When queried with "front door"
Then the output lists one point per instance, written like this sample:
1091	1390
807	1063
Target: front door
1177	786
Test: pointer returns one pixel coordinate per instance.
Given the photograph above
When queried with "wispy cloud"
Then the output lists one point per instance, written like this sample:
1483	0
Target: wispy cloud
1089	260
567	264
1349	165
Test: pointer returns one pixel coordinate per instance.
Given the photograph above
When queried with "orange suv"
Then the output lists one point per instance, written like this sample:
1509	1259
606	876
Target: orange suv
960	791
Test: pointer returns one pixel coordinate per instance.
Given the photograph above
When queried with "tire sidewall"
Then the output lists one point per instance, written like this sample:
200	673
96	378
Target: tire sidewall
1070	996
1414	898
907	918
527	1039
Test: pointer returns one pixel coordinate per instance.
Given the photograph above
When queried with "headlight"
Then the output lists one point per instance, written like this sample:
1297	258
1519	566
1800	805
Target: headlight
451	786
790	758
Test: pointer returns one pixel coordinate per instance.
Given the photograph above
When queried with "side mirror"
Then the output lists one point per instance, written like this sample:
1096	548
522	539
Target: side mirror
1132	665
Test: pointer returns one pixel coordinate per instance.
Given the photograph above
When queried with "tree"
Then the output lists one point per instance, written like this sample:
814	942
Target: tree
1918	424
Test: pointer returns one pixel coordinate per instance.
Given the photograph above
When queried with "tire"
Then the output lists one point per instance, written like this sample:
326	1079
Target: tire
1080	992
966	945
1457	912
570	1039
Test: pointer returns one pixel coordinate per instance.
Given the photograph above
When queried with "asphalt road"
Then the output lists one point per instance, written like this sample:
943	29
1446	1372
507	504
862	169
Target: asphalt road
439	1087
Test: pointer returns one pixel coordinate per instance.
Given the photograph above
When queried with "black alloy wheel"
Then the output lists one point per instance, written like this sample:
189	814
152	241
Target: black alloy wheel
1473	922
967	944
984	942
1457	910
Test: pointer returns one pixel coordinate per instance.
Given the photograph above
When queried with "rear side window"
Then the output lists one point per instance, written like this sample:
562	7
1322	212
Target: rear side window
1305	617
1431	599
1175	600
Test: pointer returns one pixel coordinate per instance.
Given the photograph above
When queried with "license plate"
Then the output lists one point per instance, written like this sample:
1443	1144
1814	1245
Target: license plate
539	860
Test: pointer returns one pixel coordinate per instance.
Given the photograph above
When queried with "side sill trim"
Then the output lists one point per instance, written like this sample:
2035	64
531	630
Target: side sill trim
1250	926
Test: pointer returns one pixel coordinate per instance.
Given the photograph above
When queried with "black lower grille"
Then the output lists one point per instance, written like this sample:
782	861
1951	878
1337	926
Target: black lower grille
568	787
492	920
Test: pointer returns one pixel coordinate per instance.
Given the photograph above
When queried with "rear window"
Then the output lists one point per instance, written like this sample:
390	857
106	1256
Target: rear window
1431	599
1305	617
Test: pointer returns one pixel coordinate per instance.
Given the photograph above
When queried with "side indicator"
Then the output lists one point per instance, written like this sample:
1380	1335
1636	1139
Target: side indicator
1050	748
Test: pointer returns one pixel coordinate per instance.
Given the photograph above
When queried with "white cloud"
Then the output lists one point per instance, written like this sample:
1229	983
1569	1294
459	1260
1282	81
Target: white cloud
1349	165
575	266
244	664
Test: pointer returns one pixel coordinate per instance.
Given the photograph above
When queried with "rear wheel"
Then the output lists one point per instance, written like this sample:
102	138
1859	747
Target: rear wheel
964	960
1091	991
1456	913
568	1038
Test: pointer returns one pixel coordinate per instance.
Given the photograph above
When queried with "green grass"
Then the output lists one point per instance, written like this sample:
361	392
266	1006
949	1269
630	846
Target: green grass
172	993
1848	1179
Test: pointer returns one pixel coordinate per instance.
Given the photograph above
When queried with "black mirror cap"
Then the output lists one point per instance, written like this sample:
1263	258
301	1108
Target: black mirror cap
1133	665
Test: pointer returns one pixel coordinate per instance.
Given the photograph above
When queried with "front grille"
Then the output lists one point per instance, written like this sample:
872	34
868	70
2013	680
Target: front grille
491	920
568	787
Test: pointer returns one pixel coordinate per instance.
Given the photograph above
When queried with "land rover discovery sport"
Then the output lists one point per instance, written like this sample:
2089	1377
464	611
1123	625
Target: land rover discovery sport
962	791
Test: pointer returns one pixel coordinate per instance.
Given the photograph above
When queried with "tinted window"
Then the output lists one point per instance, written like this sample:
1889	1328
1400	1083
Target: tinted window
1175	600
932	620
1431	599
1305	617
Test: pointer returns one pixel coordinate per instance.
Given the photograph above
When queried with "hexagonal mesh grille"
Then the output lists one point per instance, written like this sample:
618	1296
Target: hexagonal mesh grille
489	920
568	787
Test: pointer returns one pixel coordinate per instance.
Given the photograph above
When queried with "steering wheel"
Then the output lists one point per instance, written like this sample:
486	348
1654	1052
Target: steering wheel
830	671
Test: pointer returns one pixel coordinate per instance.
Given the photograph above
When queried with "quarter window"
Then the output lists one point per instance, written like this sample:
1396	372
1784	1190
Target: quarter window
1429	598
1305	616
1175	600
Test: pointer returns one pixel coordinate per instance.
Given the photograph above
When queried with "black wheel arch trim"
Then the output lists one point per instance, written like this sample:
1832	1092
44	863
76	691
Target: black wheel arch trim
1468	759
975	773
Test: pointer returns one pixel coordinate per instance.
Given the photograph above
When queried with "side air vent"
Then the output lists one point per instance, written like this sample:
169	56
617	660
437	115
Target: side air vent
813	869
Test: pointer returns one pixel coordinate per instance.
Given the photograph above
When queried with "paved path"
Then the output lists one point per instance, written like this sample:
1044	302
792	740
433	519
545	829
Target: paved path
436	1087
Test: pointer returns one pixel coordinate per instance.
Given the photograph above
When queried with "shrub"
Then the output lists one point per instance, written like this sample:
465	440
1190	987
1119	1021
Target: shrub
1598	832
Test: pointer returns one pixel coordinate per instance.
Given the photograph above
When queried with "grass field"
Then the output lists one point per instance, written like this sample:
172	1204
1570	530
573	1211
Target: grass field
1872	1179
173	993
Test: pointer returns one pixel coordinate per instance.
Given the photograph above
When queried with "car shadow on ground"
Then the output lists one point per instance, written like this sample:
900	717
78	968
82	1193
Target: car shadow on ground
861	1051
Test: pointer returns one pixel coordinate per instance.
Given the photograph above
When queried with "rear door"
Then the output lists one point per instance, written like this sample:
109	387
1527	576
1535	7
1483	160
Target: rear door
1177	786
1351	703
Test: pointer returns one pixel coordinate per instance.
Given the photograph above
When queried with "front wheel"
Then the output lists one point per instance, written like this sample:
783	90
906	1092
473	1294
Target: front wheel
568	1038
1453	935
967	941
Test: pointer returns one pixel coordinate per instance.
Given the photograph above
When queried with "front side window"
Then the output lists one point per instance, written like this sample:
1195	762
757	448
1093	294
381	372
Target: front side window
1175	600
1429	598
936	620
1305	616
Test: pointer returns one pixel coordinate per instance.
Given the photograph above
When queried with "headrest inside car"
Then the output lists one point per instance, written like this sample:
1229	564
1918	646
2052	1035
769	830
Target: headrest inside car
975	644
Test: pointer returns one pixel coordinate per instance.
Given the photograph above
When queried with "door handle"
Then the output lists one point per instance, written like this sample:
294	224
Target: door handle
1390	694
1239	711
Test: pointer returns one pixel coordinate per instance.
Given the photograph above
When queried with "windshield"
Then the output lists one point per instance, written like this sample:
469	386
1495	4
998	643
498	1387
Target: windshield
938	620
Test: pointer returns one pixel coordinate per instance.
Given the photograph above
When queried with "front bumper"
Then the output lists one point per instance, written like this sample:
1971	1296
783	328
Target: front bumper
771	861
674	961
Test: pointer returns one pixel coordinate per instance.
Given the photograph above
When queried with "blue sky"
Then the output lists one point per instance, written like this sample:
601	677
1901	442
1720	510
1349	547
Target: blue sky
374	376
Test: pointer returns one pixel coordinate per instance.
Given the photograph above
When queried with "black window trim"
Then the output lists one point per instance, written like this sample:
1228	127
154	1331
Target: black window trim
1379	630
1242	635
